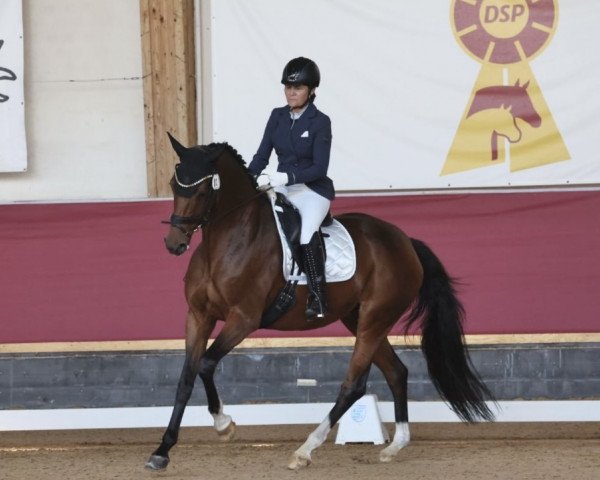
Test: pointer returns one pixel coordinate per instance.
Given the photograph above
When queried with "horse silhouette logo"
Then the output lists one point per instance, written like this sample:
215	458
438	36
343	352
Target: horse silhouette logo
5	74
498	107
504	36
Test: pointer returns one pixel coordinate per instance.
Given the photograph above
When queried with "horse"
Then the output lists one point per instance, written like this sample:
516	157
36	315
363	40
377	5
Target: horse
235	273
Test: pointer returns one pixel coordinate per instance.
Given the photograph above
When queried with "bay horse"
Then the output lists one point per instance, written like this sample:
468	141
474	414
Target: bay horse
236	272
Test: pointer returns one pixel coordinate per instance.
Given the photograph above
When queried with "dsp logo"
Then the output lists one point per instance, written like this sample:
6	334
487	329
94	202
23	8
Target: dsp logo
493	13
506	118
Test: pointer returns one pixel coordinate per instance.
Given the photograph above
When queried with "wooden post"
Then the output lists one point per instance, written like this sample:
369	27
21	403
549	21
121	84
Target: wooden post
168	56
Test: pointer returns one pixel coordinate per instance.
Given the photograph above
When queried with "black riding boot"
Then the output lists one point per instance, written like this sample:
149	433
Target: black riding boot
313	258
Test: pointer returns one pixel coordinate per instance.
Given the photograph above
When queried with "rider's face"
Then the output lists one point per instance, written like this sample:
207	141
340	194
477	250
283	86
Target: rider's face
296	96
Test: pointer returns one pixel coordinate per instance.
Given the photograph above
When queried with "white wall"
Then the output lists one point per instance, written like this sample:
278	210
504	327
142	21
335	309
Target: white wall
84	113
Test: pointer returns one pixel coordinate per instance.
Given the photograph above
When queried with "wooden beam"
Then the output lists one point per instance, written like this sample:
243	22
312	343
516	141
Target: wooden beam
169	69
297	342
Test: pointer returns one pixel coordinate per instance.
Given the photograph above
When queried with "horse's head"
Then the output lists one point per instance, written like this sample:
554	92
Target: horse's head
194	184
210	183
522	106
514	96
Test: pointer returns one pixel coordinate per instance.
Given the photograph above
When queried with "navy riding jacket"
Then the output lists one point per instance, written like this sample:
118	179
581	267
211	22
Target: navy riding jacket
302	147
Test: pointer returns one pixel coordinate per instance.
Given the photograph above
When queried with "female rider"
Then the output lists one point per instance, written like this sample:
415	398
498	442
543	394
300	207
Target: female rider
301	137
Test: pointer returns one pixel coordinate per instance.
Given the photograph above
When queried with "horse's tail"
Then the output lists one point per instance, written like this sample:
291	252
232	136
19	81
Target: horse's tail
448	362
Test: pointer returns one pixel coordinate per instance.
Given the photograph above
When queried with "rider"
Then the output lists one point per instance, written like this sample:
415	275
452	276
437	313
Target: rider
301	137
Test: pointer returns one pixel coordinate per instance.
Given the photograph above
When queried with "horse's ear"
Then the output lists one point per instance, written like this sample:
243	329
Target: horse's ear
526	84
178	147
518	84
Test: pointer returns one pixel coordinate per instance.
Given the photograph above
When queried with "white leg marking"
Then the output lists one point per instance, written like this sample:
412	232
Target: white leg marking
222	421
401	439
301	457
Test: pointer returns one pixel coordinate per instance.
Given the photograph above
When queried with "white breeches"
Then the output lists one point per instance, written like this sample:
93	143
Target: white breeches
312	207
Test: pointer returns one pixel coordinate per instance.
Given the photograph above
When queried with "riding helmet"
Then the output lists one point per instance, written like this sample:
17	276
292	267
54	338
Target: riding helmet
301	71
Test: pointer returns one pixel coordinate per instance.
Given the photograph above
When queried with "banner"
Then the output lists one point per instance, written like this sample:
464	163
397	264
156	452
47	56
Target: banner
13	148
442	94
504	119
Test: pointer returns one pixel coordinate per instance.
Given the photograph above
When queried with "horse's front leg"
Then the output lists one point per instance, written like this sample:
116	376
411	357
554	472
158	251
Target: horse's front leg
236	329
224	425
198	331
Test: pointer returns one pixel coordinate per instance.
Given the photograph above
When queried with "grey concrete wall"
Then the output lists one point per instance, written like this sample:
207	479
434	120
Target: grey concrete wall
126	379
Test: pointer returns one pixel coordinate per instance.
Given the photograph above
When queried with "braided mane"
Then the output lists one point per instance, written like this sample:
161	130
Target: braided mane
217	148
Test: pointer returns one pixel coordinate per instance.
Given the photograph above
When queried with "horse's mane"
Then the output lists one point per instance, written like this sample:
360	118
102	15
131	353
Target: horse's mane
216	148
494	97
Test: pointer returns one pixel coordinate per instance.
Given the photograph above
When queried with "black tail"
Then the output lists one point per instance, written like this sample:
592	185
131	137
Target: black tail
448	362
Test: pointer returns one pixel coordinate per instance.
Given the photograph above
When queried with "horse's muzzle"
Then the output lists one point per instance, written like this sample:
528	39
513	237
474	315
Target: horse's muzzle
176	248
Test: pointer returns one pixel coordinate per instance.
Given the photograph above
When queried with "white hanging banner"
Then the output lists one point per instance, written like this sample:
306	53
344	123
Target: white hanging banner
441	94
13	147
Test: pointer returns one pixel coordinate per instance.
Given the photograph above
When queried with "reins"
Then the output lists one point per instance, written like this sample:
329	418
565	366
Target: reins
239	205
201	221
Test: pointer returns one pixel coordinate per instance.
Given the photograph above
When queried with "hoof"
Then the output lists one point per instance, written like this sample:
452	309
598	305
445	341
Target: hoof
156	462
385	457
228	433
297	462
391	451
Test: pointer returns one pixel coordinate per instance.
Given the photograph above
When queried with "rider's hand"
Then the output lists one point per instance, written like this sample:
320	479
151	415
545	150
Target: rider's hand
267	180
263	182
278	179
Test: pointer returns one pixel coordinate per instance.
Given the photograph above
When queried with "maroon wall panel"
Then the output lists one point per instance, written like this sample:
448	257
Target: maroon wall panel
528	263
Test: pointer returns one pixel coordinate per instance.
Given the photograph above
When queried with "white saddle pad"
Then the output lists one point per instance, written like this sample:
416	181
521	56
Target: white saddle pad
341	255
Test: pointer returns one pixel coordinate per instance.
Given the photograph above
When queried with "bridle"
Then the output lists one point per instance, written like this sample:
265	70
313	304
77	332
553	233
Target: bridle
202	220
196	221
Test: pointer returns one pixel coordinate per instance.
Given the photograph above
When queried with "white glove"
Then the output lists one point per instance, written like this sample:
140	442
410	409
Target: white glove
262	182
267	180
278	179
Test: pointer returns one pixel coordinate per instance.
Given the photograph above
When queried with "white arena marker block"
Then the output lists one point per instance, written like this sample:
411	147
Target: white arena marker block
362	423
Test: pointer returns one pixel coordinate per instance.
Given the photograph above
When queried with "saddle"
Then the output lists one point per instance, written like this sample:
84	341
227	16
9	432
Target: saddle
339	251
291	224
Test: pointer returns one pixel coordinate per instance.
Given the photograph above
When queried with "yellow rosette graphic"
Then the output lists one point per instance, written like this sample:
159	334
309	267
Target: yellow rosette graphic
506	101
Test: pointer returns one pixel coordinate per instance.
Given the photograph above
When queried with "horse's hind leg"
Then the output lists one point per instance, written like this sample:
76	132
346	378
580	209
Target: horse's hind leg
348	395
396	376
354	386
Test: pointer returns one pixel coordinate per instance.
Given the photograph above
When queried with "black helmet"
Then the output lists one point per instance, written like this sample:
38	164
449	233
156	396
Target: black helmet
301	71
